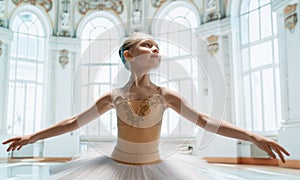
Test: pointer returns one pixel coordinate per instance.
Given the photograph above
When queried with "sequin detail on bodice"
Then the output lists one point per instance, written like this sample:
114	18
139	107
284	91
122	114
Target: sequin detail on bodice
140	113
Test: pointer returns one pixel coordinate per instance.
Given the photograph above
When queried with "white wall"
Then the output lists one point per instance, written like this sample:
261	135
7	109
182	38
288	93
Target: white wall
289	49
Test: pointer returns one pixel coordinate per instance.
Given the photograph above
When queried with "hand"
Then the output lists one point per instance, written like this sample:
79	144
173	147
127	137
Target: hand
18	142
270	146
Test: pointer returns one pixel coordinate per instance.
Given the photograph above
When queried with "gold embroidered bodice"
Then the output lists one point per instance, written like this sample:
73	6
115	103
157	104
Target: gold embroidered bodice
139	125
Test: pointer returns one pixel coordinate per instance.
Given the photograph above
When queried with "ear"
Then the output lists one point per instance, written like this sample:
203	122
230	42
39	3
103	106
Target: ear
127	55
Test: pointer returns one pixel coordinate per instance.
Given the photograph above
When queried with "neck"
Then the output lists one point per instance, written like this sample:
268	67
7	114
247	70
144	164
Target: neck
139	81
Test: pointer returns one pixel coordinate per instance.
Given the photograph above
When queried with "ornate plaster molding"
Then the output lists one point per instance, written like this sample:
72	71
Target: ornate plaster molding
116	6
213	44
46	4
157	3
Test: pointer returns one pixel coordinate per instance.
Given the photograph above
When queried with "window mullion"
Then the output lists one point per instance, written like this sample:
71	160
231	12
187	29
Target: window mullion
24	107
262	99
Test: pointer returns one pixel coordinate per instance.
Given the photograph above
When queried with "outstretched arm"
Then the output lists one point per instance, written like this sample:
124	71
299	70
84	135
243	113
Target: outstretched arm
102	105
221	127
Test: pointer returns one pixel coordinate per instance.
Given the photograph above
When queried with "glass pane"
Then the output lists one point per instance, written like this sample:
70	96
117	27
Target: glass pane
254	26
182	23
179	11
13	47
275	51
256	101
244	6
40	75
266	21
39	119
185	64
274	21
97	33
26	71
191	17
269	102
245	29
40	29
22	29
41	49
32	30
253	5
19	109
84	91
86	31
261	54
16	23
22	46
32	47
172	50
12	71
30	107
264	2
10	108
278	97
245	59
247	103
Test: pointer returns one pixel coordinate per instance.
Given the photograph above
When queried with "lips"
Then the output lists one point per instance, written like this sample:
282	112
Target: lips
155	56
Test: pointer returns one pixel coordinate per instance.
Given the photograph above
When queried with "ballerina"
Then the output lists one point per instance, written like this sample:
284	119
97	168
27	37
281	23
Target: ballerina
140	105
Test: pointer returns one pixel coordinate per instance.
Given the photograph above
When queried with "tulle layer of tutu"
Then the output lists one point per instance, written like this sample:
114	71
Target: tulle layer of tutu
96	166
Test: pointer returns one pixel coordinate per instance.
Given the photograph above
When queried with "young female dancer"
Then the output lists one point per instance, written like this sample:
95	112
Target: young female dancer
140	105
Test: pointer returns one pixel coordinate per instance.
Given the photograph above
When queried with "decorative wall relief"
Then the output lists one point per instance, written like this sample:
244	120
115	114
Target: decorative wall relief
116	6
213	44
137	12
291	19
2	8
157	3
46	4
65	15
63	58
3	21
212	10
64	20
1	48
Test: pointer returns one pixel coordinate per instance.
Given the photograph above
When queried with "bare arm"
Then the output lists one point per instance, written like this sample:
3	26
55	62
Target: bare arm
102	105
221	127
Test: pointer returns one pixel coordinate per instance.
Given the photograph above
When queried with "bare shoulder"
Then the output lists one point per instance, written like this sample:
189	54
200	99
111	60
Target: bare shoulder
171	97
105	100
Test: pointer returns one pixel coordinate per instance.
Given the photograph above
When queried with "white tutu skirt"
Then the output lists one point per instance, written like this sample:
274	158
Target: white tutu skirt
93	166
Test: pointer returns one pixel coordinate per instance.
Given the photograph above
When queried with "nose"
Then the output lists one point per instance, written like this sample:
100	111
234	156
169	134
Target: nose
155	49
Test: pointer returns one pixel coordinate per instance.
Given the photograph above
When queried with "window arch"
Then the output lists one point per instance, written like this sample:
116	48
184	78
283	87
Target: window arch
174	28
27	69
260	66
100	36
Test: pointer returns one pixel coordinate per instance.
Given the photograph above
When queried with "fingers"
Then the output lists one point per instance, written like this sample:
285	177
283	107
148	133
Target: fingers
15	144
270	152
11	140
279	150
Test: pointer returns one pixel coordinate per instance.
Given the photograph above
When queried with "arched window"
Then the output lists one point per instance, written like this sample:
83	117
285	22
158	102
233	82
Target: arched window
98	67
26	74
174	28
260	66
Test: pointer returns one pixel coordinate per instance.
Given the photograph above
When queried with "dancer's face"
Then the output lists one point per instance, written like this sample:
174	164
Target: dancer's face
144	55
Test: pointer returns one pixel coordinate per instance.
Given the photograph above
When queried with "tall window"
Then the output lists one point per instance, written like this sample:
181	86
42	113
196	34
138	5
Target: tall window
98	69
260	66
26	75
174	30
